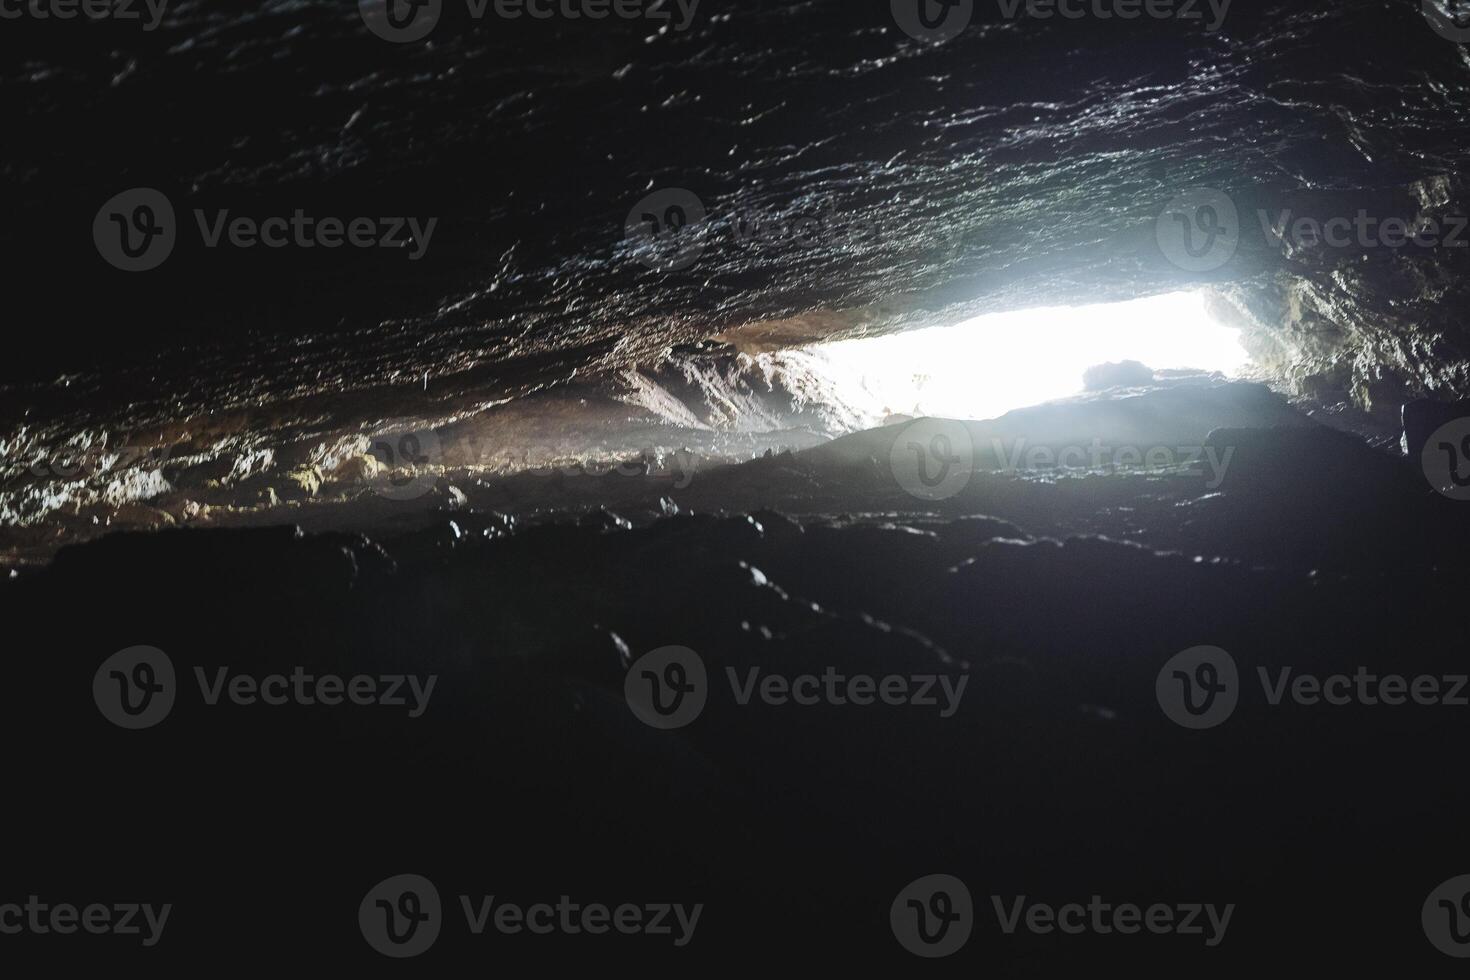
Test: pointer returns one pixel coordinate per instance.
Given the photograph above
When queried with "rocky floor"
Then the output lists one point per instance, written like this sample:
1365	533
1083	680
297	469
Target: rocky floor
1030	618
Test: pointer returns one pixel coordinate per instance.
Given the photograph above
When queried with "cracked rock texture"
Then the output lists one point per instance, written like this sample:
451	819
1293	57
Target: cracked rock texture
856	181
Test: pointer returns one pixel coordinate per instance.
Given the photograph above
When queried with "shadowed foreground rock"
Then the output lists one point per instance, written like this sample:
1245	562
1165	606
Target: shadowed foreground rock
1046	765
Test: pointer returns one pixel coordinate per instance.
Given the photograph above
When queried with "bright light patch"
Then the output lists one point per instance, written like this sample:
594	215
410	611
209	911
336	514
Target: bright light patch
985	367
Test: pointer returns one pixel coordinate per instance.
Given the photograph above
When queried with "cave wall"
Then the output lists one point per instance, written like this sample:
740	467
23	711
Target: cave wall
854	180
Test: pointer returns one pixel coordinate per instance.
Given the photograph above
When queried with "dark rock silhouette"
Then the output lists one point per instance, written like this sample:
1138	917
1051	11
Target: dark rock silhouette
1119	374
1057	600
1422	417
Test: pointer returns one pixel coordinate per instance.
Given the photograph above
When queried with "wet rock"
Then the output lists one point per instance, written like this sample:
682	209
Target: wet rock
599	655
976	529
249	464
1062	642
301	482
1422	417
1312	461
1169	418
133	514
620	648
449	497
356	469
183	509
604	520
213	568
780	529
492	526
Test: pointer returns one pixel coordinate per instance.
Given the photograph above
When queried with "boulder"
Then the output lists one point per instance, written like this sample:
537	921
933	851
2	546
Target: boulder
1119	374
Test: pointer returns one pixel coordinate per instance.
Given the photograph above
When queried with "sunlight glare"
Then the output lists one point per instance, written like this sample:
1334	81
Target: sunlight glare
987	366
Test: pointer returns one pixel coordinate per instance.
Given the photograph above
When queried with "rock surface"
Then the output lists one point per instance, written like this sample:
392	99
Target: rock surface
1057	601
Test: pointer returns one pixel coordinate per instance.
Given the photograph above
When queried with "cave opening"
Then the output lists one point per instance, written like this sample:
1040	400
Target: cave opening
843	483
988	365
